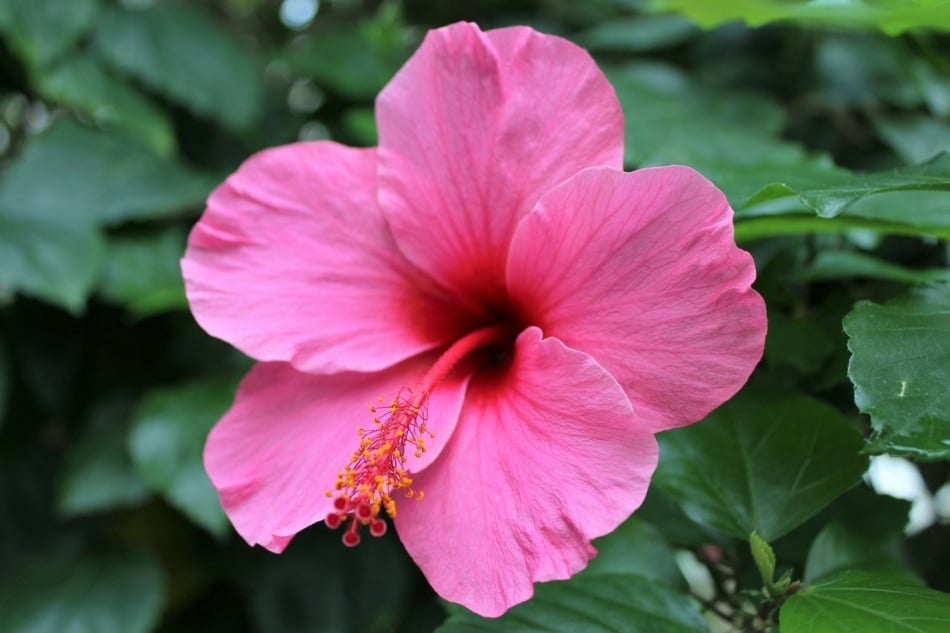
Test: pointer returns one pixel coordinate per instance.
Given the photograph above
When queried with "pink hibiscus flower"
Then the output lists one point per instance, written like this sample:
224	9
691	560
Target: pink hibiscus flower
519	314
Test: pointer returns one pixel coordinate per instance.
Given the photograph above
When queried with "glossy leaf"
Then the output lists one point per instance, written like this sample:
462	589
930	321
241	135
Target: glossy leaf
866	602
166	441
763	462
834	193
594	604
900	367
890	16
176	49
112	592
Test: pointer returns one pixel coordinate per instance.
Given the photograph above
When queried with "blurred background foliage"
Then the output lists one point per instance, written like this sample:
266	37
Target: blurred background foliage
824	122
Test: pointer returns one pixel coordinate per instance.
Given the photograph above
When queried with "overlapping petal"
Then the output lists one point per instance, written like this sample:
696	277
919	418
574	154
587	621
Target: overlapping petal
640	270
546	456
472	131
278	449
292	261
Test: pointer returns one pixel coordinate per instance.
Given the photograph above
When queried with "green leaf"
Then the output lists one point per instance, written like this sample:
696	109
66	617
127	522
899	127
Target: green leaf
179	51
914	138
763	462
906	201
838	547
354	60
323	586
42	30
900	367
636	548
143	274
637	34
593	604
110	592
98	474
803	343
665	112
4	381
867	602
81	83
764	558
66	183
168	433
57	260
890	16
75	175
837	264
832	194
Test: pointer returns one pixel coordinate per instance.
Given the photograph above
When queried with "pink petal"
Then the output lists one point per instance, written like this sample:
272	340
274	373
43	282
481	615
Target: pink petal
641	271
473	130
292	261
278	449
546	456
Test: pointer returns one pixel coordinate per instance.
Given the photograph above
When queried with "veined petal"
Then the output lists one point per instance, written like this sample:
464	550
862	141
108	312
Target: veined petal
279	448
292	261
641	271
546	456
473	130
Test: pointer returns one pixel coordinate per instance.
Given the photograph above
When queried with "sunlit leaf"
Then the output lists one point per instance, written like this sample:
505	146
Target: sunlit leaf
763	462
890	16
900	367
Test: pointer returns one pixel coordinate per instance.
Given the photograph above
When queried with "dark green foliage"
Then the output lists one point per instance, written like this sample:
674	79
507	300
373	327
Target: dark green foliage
830	139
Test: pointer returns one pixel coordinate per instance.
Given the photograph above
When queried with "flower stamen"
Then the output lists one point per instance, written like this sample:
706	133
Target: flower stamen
378	467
